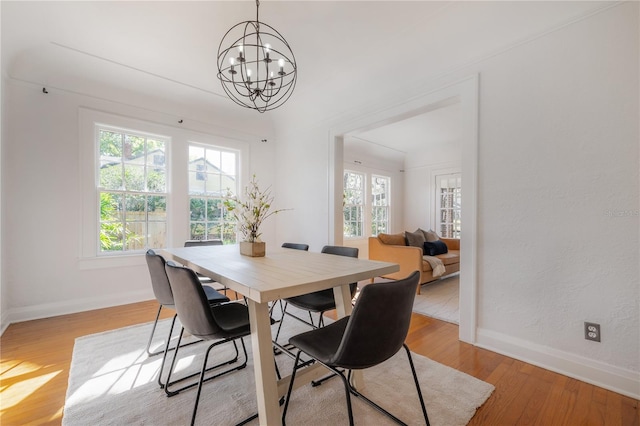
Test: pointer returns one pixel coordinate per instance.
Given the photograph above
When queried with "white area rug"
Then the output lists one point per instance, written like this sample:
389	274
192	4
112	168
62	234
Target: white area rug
439	300
113	382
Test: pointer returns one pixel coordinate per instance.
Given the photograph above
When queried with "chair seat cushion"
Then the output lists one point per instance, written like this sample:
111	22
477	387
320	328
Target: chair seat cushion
214	296
322	343
319	301
233	318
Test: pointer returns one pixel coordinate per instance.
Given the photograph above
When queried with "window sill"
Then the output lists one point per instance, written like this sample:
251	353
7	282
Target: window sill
118	261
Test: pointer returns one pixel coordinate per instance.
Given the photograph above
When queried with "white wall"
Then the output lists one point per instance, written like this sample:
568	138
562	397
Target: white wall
420	171
558	173
42	200
558	150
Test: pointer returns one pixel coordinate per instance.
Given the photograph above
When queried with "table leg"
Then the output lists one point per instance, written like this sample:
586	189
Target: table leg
342	296
266	382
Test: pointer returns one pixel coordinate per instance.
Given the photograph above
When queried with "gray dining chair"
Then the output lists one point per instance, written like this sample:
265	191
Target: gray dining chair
374	332
293	246
296	246
164	295
319	301
218	324
203	279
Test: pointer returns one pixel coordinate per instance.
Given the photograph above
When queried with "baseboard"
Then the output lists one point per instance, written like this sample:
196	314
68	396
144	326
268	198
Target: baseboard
4	322
616	379
47	310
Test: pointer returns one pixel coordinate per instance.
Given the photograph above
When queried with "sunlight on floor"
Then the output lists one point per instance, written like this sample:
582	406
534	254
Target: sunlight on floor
123	373
20	380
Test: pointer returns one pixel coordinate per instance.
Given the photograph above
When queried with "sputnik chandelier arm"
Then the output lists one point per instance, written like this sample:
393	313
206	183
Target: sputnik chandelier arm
256	65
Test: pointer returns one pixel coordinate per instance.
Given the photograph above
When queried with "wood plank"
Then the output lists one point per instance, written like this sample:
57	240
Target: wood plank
42	349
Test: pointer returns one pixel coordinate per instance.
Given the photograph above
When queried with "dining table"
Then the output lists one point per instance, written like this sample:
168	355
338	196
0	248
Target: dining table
280	274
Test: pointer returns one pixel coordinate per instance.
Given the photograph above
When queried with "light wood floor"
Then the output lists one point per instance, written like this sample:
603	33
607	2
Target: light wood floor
36	356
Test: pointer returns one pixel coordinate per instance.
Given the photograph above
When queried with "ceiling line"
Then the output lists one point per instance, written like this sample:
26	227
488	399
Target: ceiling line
73	49
172	116
374	143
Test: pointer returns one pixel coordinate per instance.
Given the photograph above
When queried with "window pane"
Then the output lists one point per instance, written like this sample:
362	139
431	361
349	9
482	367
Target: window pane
213	184
214	231
449	205
228	166
111	236
110	145
196	182
198	230
198	212
214	210
133	177
157	236
111	176
135	235
155	153
213	160
196	157
156	180
157	208
111	206
134	148
130	166
208	183
135	207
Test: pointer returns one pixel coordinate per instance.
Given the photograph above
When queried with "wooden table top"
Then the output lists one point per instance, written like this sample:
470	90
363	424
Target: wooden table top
281	273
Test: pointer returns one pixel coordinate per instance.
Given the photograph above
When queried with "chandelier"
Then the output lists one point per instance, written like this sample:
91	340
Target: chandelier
256	66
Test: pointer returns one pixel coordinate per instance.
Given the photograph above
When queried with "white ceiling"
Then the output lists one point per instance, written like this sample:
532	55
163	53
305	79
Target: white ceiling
409	136
349	53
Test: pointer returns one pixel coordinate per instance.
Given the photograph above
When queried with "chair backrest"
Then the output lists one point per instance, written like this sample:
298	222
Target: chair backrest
343	251
191	303
193	243
296	246
379	323
159	280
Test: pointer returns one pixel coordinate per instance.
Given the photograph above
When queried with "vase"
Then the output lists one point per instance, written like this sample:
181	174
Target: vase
255	249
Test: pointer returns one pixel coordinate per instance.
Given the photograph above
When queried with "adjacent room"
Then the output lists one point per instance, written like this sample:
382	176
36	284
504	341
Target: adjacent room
211	212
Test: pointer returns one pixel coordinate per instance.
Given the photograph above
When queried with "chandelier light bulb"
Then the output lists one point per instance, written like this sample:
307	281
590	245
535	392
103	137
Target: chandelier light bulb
267	47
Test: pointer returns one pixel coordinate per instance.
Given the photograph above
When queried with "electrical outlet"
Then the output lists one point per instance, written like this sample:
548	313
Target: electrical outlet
592	331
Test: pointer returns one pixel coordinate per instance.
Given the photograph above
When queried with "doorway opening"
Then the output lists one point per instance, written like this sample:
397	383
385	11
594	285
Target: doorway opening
465	94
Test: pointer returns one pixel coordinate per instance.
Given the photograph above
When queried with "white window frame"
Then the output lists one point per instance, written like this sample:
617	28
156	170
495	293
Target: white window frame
453	205
367	206
130	192
176	161
207	197
386	206
361	207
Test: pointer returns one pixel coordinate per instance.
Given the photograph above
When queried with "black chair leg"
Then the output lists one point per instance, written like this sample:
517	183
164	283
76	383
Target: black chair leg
202	373
367	400
204	370
288	397
166	350
415	379
347	392
233	360
153	330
